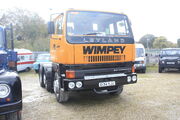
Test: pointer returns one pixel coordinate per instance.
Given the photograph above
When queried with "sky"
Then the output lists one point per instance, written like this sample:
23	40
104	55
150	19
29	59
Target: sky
157	17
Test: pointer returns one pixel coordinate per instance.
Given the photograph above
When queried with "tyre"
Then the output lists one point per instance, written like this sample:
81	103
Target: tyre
120	89
27	69
48	81
41	77
61	95
36	71
144	71
160	69
14	116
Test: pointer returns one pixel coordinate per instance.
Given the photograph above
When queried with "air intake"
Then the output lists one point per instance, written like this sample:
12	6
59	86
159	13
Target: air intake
103	58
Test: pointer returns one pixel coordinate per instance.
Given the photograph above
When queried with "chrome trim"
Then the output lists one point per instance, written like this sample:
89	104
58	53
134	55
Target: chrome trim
104	76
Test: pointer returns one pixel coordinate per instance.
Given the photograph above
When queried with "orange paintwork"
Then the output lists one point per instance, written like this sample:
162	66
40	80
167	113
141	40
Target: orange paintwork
63	52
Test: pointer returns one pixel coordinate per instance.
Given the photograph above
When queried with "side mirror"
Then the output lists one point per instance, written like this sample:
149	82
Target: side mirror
51	27
146	54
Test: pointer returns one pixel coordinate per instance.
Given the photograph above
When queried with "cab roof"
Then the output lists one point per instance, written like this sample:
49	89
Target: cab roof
71	9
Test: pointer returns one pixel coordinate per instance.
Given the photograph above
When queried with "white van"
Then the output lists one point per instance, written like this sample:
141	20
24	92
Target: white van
140	60
25	59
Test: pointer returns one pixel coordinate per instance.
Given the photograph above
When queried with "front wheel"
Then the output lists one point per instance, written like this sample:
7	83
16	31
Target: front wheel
160	69
144	71
14	116
60	94
36	71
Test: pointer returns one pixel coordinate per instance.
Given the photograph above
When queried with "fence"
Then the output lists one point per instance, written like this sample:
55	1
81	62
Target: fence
152	57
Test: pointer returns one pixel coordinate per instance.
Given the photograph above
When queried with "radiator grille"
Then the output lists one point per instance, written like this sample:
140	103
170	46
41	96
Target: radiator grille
103	58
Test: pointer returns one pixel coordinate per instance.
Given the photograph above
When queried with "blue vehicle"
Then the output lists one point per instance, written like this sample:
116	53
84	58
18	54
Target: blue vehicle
42	58
10	83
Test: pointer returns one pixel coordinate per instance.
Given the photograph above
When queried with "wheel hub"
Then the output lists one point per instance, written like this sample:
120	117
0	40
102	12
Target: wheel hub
56	86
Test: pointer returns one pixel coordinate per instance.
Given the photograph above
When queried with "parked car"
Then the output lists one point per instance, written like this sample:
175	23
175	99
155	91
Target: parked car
25	59
10	82
169	58
42	58
140	60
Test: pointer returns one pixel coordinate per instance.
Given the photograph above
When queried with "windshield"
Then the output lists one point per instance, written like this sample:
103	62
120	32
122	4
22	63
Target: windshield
1	39
171	52
43	57
139	52
97	25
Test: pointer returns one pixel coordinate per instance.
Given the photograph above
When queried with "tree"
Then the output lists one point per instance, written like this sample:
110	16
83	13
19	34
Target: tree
161	42
27	25
147	40
178	42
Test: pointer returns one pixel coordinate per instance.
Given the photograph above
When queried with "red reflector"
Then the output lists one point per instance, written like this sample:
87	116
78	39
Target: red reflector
8	99
133	69
12	64
70	74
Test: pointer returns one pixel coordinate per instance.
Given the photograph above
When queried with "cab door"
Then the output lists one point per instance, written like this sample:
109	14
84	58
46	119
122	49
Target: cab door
56	39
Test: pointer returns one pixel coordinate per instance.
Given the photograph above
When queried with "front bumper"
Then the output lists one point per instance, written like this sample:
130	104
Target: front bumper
93	83
140	66
177	66
10	107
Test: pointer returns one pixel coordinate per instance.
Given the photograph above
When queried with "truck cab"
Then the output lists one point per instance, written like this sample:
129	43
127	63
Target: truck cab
90	50
10	83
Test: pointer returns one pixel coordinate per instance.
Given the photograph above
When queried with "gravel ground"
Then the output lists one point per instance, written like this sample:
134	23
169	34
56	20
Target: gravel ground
155	97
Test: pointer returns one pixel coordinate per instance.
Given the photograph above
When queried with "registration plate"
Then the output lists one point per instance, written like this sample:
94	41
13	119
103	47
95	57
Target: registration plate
171	63
107	84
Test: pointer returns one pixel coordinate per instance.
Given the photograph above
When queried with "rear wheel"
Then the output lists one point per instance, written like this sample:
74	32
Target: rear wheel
14	116
48	81
120	89
27	69
60	94
41	78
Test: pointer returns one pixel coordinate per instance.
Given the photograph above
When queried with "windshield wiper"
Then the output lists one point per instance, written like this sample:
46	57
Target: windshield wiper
93	33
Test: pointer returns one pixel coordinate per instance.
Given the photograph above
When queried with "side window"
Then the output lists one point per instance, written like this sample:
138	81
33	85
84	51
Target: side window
122	27
111	28
59	25
21	58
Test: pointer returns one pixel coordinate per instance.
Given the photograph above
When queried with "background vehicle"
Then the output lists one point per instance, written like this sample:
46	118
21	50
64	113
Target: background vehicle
42	58
140	60
10	83
90	50
25	59
169	58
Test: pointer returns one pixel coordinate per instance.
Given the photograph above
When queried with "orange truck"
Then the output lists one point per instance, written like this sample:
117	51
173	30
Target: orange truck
90	50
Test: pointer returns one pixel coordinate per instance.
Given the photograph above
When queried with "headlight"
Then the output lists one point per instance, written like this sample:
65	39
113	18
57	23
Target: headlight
142	62
178	62
129	79
71	85
4	90
79	84
163	62
134	78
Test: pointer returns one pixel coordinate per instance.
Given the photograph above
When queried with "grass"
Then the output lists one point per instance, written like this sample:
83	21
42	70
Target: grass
152	69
